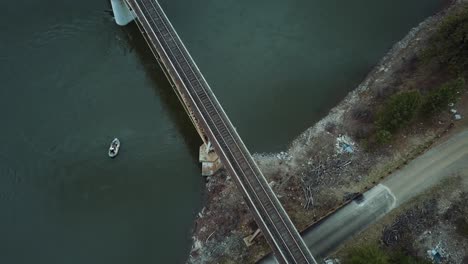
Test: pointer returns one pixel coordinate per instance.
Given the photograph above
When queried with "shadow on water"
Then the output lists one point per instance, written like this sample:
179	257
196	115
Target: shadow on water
162	88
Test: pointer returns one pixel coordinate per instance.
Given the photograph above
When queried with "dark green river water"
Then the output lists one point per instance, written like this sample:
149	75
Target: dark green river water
71	80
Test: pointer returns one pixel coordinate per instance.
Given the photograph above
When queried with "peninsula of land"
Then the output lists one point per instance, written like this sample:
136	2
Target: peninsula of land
414	99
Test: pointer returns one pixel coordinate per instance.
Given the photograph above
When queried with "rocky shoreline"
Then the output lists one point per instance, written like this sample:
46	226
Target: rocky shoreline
330	160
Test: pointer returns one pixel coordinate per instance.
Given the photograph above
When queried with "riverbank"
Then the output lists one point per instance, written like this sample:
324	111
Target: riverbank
330	162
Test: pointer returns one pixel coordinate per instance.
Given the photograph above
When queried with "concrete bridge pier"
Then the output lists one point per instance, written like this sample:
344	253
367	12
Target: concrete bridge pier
209	160
122	12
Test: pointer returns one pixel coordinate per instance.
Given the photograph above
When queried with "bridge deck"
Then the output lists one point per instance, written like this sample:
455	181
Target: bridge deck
270	216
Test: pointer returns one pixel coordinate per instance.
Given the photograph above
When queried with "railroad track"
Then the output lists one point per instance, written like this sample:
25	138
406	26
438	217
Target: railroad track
270	216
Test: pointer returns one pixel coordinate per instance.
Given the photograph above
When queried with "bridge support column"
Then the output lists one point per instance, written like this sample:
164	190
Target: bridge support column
122	12
209	160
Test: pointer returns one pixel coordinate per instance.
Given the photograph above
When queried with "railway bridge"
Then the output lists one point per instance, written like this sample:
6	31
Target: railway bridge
214	127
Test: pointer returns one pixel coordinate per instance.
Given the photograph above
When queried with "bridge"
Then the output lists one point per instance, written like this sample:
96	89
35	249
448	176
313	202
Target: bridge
216	129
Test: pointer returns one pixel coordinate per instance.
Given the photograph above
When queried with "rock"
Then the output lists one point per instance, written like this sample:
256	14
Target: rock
197	245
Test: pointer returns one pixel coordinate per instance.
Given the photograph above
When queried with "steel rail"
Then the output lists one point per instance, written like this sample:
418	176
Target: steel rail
224	124
202	117
236	143
226	131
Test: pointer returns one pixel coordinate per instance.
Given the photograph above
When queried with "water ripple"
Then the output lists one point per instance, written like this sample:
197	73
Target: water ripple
68	30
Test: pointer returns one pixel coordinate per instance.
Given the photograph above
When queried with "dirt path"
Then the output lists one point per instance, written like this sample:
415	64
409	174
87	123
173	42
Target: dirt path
428	170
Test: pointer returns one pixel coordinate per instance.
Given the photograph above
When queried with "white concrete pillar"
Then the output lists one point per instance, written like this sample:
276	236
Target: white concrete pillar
122	14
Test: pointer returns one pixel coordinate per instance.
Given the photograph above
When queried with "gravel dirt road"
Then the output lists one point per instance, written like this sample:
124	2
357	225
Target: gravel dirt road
424	172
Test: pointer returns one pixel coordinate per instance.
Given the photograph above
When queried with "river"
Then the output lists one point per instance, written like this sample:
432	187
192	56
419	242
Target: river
72	80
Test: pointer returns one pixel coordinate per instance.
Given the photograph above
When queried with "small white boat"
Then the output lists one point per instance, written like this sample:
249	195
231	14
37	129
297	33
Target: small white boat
114	148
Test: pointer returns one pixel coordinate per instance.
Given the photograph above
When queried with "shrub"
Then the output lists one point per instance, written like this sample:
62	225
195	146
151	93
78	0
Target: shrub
438	99
362	132
462	227
383	136
362	114
372	254
398	111
401	258
449	44
368	254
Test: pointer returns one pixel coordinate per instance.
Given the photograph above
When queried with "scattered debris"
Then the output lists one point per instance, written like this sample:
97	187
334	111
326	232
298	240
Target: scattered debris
453	111
308	198
432	228
457	117
208	238
416	219
331	261
344	144
325	172
283	156
200	214
249	240
436	254
197	244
